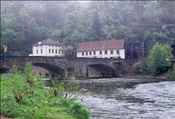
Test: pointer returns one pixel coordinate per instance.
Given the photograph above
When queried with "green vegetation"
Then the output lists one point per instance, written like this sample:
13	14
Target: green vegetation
24	97
63	87
171	73
137	67
23	23
159	59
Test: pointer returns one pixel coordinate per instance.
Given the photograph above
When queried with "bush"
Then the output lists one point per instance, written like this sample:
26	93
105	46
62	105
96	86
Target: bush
137	67
15	70
171	74
62	88
78	111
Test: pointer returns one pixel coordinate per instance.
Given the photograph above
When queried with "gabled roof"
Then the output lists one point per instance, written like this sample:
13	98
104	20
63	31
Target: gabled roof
48	41
101	45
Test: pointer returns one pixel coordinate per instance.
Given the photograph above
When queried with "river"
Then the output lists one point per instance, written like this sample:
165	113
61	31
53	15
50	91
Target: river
119	98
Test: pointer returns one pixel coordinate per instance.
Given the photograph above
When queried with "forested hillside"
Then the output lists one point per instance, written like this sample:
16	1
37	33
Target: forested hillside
24	23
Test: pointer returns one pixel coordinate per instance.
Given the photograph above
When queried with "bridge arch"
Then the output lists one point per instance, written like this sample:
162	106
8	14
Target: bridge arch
53	69
100	70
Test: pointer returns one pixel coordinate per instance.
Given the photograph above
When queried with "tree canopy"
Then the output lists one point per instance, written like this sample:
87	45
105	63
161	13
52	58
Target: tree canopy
24	23
159	59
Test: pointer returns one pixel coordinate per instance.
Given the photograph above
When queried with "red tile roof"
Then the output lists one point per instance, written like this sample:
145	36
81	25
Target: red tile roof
48	41
101	45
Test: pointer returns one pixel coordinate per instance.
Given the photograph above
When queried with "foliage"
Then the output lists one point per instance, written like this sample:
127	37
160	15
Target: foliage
64	87
137	67
14	70
171	73
17	100
69	51
27	22
78	111
158	61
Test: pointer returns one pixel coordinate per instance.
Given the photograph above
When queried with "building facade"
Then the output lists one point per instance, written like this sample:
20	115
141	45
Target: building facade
134	50
102	49
48	47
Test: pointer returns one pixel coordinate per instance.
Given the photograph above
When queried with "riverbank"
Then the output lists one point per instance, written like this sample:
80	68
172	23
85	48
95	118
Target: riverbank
19	99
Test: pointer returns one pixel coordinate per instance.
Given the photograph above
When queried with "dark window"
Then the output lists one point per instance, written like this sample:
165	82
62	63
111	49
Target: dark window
106	52
118	52
41	51
82	53
111	52
100	52
49	50
90	53
94	52
56	51
52	50
36	51
86	53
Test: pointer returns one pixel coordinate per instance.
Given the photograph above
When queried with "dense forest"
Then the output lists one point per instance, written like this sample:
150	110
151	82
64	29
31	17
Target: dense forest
24	23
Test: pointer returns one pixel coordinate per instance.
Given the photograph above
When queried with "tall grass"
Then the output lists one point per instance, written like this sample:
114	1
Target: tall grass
23	97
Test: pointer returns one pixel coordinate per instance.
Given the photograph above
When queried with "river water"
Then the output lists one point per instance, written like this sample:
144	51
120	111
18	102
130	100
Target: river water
120	98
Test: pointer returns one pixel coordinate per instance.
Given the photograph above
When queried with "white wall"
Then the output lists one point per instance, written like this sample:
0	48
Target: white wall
103	55
45	50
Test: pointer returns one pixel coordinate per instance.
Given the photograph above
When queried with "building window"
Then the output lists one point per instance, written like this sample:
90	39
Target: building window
82	53
49	50
118	52
111	52
37	51
90	53
106	52
56	51
100	52
52	50
94	53
86	53
41	51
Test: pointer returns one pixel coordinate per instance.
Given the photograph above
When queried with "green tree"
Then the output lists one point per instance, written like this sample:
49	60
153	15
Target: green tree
158	61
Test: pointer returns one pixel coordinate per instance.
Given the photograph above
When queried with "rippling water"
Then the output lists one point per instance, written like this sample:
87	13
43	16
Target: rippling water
128	98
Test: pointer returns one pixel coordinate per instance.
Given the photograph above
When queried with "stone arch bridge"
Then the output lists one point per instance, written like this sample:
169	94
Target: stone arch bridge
79	67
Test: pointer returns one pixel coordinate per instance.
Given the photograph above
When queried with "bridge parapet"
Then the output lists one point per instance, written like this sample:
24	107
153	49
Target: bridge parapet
55	64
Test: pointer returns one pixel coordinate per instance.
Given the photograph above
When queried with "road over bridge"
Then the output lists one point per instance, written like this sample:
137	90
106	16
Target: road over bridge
79	67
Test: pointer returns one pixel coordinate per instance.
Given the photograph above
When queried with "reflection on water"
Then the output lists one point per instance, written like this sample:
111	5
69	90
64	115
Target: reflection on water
128	98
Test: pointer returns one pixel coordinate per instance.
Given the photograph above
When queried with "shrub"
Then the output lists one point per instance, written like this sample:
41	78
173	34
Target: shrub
62	88
171	73
78	111
15	70
137	67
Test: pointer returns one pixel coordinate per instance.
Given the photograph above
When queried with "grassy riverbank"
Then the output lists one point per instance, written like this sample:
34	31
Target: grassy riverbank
20	99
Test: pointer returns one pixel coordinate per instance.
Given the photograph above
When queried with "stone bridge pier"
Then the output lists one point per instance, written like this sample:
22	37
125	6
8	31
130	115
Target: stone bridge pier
79	67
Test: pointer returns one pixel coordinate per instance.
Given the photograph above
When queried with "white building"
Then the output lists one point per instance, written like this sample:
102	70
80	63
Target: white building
48	47
102	49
